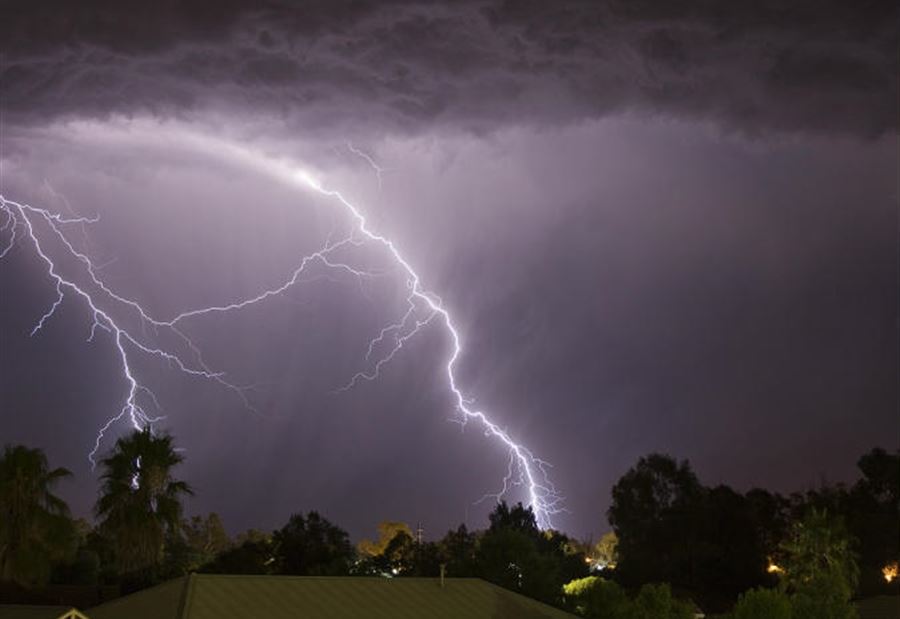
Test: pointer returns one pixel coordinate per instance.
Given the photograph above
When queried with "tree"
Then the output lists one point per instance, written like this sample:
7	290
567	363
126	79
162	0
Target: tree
881	477
387	531
655	601
252	535
457	552
820	571
253	556
517	518
770	514
404	556
654	515
713	541
83	567
426	560
762	604
510	558
728	556
35	528
251	553
605	599
140	500
311	546
873	511
606	551
569	554
596	597
177	558
515	554
397	553
507	553
205	538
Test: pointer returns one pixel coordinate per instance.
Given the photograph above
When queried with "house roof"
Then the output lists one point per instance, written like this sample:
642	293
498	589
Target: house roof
31	611
163	601
208	596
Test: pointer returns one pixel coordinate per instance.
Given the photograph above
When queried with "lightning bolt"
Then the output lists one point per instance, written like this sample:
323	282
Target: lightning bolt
379	171
24	219
422	309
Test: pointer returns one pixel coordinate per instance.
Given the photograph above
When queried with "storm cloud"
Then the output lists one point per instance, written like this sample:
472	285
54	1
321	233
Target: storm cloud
806	66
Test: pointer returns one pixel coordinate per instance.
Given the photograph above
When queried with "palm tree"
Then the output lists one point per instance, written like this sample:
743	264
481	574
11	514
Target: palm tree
35	528
140	500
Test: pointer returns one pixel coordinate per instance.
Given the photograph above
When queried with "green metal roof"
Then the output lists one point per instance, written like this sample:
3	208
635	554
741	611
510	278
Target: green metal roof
207	596
27	611
163	601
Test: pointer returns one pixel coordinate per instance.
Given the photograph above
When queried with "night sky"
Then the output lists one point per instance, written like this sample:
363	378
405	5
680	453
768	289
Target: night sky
658	226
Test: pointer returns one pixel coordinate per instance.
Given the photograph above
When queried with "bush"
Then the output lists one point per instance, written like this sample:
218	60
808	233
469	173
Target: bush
595	597
656	602
821	604
762	604
605	599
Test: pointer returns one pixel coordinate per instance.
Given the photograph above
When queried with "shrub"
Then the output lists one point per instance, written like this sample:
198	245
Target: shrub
595	597
656	602
762	604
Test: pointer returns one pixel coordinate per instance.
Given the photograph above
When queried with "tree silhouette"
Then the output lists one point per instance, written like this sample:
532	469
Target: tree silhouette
654	514
140	500
205	539
252	556
35	528
457	552
514	553
311	546
873	511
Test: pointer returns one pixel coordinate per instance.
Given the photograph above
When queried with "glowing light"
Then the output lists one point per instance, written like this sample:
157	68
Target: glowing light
772	568
890	572
422	309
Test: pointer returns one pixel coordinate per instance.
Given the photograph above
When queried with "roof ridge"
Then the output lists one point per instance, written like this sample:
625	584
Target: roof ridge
186	596
494	585
299	576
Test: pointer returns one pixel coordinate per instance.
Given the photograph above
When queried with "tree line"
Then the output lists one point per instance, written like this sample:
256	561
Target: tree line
802	556
673	540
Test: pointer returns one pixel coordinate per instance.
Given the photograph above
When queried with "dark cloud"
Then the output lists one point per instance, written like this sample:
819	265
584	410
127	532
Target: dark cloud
821	67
